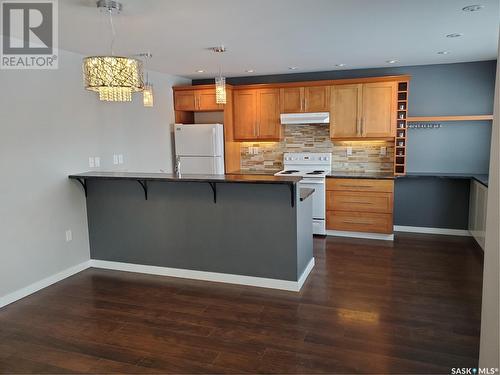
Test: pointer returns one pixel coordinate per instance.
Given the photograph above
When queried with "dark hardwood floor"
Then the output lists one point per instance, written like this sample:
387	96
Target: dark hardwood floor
412	306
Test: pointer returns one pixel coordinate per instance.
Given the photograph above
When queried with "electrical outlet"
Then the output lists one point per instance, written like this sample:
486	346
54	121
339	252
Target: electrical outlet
91	162
97	161
69	235
348	151
383	151
120	159
115	159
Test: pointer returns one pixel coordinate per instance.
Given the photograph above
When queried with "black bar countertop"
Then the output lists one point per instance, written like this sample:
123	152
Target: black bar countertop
481	178
168	177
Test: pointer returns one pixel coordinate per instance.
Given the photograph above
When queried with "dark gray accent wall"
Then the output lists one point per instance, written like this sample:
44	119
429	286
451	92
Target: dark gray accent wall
435	90
252	230
432	202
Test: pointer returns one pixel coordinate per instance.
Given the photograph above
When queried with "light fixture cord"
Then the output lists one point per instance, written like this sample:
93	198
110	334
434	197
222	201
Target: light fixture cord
113	32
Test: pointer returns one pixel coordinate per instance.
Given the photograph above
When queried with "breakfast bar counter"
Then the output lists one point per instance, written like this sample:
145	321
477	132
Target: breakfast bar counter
243	229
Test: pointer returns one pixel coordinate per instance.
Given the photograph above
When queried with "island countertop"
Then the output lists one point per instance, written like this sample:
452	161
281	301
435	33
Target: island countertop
169	177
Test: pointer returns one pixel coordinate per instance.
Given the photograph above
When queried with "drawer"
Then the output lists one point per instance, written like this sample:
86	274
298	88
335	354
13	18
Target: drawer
359	184
359	201
359	222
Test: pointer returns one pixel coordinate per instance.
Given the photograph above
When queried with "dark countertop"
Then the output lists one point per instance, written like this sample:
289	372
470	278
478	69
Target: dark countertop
168	177
481	178
333	174
305	193
362	175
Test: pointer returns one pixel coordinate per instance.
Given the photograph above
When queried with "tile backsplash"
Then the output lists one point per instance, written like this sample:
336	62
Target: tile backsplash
366	155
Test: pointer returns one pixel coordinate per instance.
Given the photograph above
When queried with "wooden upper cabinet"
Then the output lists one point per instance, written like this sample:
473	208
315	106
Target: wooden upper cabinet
316	99
206	100
305	99
268	110
245	114
257	114
292	99
379	109
345	111
196	100
184	100
365	110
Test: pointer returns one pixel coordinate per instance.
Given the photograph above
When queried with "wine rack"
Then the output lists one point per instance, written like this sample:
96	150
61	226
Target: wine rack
401	129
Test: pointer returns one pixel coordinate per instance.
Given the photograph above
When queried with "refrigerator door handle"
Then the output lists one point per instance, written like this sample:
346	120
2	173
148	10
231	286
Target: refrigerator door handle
214	141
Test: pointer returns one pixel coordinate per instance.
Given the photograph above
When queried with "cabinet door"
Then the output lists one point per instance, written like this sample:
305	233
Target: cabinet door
206	101
292	100
317	99
345	111
184	100
245	114
268	118
379	110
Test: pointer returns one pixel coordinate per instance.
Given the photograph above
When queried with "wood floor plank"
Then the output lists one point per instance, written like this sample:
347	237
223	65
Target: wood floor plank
411	306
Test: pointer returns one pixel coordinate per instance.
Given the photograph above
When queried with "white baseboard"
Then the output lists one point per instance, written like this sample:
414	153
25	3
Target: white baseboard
35	287
371	236
305	274
445	231
262	282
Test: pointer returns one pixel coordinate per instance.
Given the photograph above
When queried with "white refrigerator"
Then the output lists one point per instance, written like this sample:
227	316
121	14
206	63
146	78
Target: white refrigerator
199	148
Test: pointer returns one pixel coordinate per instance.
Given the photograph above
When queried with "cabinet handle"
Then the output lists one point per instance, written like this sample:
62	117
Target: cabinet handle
356	222
357	186
357	202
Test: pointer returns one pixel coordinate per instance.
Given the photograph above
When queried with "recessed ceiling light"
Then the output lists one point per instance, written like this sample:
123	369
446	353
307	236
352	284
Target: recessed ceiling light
293	67
454	35
200	71
443	52
472	8
250	71
392	61
340	65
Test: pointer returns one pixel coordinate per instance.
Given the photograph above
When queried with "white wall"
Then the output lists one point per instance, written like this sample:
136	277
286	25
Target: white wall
49	127
489	347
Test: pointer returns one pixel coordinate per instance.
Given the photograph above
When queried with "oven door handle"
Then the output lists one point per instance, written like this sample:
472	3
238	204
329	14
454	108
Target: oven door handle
312	182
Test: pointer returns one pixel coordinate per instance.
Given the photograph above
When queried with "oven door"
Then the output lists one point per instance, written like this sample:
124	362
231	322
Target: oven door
318	184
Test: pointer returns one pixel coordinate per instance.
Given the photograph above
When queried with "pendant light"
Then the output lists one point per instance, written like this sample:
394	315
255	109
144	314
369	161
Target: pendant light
147	93
115	78
220	81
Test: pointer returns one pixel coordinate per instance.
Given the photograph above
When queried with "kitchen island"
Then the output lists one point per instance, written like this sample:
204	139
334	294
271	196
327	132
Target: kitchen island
243	229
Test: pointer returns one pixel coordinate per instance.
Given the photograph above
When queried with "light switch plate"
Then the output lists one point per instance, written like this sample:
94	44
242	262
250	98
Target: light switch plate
91	162
383	151
120	159
348	151
97	161
69	235
115	159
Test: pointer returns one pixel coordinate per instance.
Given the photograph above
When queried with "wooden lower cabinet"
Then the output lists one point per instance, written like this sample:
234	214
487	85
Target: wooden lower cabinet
360	205
359	221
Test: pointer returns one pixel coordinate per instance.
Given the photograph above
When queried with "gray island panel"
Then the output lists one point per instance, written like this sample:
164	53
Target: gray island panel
251	230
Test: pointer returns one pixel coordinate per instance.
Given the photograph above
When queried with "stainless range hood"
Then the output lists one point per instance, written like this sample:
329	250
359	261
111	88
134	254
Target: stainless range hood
305	118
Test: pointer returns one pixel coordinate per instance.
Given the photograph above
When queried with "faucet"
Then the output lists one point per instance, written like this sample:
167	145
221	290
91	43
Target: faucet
177	168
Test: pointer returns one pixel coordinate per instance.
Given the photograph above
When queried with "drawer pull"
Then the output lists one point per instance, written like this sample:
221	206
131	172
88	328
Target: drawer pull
358	202
356	222
357	186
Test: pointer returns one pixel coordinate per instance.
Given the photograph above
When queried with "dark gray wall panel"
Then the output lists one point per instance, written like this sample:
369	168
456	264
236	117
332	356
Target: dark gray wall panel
432	202
304	234
435	90
252	230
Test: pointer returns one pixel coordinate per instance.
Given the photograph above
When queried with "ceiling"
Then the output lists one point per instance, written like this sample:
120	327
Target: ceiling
270	36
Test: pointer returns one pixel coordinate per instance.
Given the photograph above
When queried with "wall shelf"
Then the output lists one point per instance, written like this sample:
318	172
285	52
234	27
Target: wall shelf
450	118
